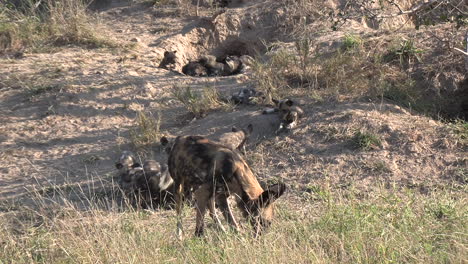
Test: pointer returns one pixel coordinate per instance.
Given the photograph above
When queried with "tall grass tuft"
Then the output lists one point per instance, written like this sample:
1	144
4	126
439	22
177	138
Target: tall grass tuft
147	131
200	103
37	25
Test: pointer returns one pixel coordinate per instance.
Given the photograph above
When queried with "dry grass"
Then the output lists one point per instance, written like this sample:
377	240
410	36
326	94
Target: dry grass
329	226
147	131
187	8
460	129
355	69
53	23
302	18
200	103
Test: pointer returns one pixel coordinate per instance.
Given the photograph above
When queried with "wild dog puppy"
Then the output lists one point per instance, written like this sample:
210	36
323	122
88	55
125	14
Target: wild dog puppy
215	172
169	60
195	68
246	63
155	183
247	96
151	182
232	65
289	113
213	67
236	138
124	165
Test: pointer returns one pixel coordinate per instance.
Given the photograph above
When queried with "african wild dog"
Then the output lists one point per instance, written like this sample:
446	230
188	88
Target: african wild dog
247	96
169	60
215	172
232	65
213	67
236	138
126	166
149	183
195	68
289	113
246	62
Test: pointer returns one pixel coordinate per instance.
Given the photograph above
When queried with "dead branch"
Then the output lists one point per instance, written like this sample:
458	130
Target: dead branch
407	12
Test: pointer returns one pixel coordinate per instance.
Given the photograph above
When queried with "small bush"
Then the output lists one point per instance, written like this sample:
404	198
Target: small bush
270	74
199	104
351	42
365	141
286	69
405	52
350	75
147	131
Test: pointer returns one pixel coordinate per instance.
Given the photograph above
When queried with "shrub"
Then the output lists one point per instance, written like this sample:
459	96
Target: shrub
147	131
365	140
405	52
351	42
199	104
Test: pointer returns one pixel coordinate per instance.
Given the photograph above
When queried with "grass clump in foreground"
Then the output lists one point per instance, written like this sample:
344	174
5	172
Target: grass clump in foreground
384	226
36	27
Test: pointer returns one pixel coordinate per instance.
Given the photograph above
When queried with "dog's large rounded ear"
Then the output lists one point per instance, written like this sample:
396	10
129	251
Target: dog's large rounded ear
166	53
289	102
164	141
118	165
234	129
271	193
249	129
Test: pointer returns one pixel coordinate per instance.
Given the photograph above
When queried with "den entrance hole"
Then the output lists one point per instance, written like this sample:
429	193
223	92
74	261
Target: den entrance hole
231	58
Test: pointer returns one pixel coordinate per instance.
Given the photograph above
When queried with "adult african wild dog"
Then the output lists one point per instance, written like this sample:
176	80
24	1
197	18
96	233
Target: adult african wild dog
145	185
215	172
151	184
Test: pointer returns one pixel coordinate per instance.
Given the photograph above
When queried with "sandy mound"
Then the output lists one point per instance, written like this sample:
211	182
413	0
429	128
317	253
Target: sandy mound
233	31
411	150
